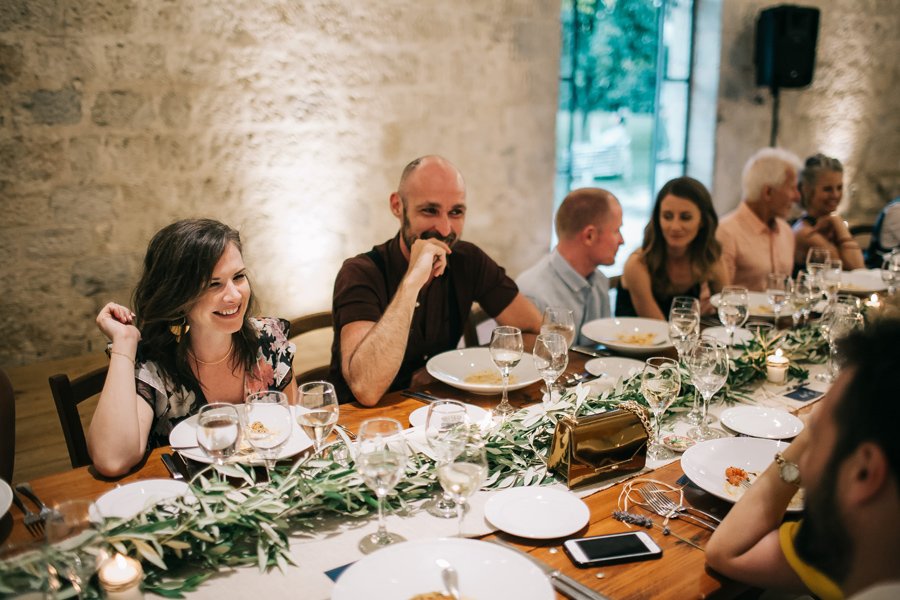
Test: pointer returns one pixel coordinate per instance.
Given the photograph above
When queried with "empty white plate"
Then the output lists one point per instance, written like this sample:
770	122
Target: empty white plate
536	512
131	499
762	422
476	415
741	335
613	366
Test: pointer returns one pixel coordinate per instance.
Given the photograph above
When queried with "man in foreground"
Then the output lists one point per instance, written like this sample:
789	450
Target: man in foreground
848	460
755	237
408	299
587	225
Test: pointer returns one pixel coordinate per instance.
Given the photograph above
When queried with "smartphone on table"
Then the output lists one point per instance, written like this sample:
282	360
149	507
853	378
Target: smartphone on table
613	548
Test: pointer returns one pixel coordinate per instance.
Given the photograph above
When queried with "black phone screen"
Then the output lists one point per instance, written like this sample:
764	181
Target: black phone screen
612	546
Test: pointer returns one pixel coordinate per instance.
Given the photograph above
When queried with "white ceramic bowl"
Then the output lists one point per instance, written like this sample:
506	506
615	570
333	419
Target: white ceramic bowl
454	366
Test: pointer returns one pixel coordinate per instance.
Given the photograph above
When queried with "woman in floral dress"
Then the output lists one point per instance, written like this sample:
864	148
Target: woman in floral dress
190	341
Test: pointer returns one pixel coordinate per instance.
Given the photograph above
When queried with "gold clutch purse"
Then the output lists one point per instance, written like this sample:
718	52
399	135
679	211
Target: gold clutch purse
589	449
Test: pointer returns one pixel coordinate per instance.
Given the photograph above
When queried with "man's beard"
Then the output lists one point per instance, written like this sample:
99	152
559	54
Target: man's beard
823	540
409	239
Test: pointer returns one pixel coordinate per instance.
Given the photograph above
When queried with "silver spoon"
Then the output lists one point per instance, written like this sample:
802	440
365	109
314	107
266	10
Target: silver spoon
450	578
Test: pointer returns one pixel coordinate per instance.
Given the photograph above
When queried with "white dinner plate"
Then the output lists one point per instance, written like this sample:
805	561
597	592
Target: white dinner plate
862	282
613	366
741	335
762	422
185	434
622	334
757	302
536	512
476	415
485	570
5	497
131	499
455	366
705	462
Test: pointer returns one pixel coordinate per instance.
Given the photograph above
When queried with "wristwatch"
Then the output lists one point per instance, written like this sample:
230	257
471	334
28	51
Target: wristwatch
787	470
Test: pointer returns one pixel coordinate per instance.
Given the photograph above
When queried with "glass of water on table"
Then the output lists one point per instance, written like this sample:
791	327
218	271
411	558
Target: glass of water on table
218	430
322	410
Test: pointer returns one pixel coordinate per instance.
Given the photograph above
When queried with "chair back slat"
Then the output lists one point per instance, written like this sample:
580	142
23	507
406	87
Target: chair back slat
7	428
68	394
311	322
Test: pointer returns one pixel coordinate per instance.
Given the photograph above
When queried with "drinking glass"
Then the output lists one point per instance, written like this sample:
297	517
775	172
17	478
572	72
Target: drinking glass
465	474
733	309
660	383
778	289
551	355
837	320
561	321
381	461
890	271
708	363
684	326
218	430
815	260
506	352
70	528
445	430
803	293
831	279
268	424
322	409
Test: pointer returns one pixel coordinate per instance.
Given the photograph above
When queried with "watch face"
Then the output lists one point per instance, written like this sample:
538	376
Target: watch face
790	473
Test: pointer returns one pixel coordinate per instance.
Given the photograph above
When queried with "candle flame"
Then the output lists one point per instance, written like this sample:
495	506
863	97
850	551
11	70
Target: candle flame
779	353
874	299
120	561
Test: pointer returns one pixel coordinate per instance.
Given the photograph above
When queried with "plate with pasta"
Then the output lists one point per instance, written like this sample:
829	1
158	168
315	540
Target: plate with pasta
629	335
472	369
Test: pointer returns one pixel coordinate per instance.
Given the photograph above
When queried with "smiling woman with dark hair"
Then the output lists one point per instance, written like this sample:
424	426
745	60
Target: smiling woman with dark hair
679	256
190	341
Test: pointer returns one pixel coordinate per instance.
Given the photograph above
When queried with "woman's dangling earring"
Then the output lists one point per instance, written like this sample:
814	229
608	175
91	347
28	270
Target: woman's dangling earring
179	329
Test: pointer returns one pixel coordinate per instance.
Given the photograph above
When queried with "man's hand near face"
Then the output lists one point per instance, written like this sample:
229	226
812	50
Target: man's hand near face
427	260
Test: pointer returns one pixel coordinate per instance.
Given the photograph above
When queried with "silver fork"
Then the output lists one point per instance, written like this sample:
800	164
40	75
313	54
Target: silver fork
669	512
681	508
25	488
32	521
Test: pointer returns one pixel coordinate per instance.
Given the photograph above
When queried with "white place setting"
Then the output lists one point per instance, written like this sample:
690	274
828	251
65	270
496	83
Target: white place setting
473	370
629	335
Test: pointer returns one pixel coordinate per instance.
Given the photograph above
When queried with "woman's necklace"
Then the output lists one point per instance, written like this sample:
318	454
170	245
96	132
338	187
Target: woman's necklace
215	362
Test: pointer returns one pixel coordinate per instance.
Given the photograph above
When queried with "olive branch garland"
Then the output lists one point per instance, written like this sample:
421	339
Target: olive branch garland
183	541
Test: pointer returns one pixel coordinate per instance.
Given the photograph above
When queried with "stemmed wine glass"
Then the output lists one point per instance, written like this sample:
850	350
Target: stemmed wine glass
837	320
816	257
381	461
561	321
465	474
707	361
733	309
684	324
322	409
268	425
803	293
70	528
778	288
445	431
831	279
218	430
506	352
890	271
660	383
551	355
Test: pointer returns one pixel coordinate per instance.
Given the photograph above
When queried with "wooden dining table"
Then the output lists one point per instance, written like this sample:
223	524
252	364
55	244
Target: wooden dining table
680	573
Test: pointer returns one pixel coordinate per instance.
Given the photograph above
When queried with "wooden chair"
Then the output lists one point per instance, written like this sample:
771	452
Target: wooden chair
862	233
68	394
307	324
7	428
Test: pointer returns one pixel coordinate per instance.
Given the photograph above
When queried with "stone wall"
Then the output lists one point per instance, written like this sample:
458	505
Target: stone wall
851	110
289	120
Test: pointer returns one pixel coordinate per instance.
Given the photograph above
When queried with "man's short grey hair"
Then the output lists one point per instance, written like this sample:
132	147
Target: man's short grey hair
767	168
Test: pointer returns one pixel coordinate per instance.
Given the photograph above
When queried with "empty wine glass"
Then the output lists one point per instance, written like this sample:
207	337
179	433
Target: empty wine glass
322	409
70	528
551	355
733	309
778	289
561	321
445	431
268	425
660	383
381	461
465	474
830	278
815	260
218	430
838	320
506	352
803	295
684	325
707	361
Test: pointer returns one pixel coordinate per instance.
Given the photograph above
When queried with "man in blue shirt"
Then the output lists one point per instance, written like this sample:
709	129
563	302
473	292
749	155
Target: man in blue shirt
587	225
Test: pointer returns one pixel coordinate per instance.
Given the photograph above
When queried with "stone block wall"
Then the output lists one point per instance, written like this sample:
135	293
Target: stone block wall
289	120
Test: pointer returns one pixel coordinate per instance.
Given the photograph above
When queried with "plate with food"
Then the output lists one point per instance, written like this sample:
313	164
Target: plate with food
183	438
757	302
761	422
472	369
727	467
537	512
862	282
412	570
131	499
629	335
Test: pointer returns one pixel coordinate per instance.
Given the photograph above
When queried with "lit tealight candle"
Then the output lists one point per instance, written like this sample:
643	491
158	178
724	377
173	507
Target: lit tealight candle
777	367
120	578
873	301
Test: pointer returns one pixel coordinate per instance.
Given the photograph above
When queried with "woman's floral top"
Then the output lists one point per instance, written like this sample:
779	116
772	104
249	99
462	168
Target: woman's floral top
173	402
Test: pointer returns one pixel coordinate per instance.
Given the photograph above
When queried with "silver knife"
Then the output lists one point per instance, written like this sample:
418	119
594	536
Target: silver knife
170	465
588	351
561	582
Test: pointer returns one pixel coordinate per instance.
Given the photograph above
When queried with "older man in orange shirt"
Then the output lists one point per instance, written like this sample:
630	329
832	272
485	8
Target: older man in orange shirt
755	237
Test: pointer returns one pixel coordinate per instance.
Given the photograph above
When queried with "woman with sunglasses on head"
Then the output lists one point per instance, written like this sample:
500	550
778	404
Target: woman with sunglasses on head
190	341
821	189
679	257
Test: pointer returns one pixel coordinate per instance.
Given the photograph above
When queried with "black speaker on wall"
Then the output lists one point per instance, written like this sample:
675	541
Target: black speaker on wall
786	46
